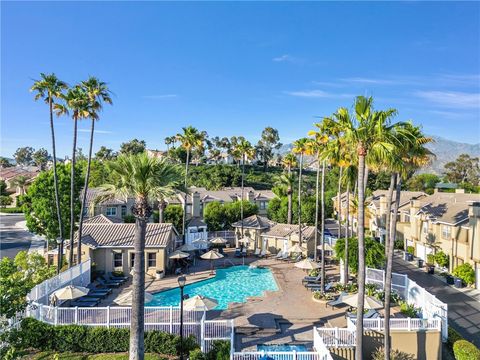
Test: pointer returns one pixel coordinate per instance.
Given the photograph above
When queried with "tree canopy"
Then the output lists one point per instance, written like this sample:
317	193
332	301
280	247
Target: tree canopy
24	155
133	147
220	216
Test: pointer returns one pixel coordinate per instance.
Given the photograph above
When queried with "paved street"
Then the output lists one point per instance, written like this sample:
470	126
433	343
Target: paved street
13	239
463	311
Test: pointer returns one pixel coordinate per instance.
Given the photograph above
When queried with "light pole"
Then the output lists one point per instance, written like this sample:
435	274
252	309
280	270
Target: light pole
181	283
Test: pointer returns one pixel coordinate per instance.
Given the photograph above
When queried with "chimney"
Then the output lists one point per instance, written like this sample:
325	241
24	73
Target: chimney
459	191
196	204
251	196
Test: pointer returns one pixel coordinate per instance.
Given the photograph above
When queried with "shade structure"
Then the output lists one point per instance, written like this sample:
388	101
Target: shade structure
126	299
307	264
70	292
200	242
327	246
296	249
187	247
199	303
369	303
211	255
218	241
177	254
245	240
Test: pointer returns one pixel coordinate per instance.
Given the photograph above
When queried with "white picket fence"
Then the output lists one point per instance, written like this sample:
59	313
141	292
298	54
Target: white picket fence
78	275
280	355
333	337
407	324
412	293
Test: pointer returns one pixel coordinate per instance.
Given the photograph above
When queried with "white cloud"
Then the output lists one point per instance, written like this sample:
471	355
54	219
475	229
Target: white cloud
452	99
317	94
96	131
282	58
162	96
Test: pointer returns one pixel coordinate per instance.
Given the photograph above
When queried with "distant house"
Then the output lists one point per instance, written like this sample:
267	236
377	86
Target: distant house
109	244
10	173
112	208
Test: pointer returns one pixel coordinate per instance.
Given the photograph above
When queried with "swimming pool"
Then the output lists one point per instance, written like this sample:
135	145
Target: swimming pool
230	285
281	347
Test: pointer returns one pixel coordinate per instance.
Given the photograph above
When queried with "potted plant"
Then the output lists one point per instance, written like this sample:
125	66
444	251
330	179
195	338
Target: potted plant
409	253
159	274
430	264
464	274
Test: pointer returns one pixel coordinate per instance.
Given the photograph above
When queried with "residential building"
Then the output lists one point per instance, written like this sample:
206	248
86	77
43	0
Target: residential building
109	244
448	222
9	174
113	208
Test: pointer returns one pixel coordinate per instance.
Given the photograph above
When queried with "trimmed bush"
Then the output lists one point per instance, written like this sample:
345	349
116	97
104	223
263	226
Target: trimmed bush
409	310
465	350
220	350
34	334
410	250
466	273
196	354
441	259
379	354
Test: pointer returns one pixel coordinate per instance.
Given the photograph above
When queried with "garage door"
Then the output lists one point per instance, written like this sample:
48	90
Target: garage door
421	251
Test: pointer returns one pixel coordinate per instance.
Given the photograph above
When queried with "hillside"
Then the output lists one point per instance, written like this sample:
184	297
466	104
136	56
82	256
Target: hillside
445	150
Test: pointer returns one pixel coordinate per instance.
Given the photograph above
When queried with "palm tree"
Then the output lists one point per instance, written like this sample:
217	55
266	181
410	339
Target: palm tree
190	140
50	88
289	161
78	102
247	151
145	179
300	146
369	135
97	93
349	178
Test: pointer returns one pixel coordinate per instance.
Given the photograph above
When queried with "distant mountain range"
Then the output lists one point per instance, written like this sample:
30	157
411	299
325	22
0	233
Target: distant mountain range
444	149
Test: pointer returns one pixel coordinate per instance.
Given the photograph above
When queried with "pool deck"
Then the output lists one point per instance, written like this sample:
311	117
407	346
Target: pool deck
287	315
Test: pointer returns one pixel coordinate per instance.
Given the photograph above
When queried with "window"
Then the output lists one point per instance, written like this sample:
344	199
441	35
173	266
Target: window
425	227
124	210
152	259
263	205
132	259
446	232
407	218
117	260
111	211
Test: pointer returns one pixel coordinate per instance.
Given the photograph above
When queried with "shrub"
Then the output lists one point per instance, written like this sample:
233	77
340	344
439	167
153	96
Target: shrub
409	310
129	219
466	273
379	354
410	250
370	289
196	354
430	259
465	350
325	296
113	340
70	338
398	244
314	272
441	259
12	210
453	336
220	350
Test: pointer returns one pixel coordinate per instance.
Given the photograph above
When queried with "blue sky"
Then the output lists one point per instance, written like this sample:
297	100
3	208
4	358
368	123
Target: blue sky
234	68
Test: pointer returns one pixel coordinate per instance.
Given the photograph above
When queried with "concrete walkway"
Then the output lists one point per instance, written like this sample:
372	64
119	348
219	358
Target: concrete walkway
463	310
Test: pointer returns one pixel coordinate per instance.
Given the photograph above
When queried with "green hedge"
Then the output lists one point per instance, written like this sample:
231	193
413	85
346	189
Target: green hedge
13	210
466	273
464	350
49	355
76	339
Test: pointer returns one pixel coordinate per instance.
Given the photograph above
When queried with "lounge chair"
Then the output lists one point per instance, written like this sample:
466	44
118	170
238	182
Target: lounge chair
87	299
257	252
312	279
99	294
263	253
279	255
119	280
116	277
286	257
238	253
104	283
84	303
337	301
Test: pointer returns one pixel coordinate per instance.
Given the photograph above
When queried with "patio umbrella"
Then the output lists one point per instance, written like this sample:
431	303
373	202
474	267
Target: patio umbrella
177	254
199	303
218	241
70	292
200	242
126	299
296	249
187	247
245	240
370	302
307	264
211	255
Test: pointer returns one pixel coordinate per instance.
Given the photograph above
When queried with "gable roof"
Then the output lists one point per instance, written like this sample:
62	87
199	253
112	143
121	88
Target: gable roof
102	219
93	193
255	222
405	197
110	235
196	222
286	230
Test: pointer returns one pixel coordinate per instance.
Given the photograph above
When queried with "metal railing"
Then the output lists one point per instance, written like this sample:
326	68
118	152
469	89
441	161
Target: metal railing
408	324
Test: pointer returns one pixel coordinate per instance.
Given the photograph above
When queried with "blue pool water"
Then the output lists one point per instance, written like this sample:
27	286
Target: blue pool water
281	348
230	285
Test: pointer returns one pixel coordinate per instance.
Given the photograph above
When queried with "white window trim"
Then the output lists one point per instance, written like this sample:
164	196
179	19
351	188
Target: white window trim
111	208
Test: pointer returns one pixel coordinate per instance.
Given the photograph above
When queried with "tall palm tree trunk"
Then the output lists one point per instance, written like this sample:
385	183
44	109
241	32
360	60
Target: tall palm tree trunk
241	203
72	192
322	230
345	260
365	179
300	200
361	254
388	273
57	197
339	212
184	218
136	348
289	197
317	185
393	180
84	197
